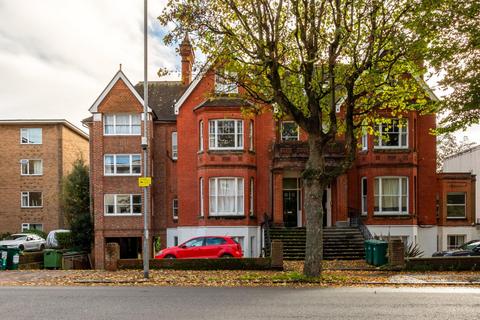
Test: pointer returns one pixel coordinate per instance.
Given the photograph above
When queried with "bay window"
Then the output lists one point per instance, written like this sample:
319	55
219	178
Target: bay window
393	135
122	124
226	196
364	195
122	164
391	195
226	134
123	204
456	205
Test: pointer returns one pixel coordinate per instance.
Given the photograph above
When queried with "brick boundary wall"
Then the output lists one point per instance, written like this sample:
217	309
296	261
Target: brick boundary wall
201	264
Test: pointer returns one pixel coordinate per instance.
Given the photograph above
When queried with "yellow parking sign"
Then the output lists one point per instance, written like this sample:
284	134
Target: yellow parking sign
144	181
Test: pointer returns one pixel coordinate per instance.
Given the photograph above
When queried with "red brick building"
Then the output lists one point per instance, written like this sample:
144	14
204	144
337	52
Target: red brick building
218	171
36	155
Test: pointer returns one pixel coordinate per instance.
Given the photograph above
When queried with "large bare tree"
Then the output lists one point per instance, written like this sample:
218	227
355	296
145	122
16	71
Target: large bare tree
307	58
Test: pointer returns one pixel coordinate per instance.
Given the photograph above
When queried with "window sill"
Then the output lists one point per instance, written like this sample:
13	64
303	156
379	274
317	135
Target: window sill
396	150
29	144
225	151
123	215
37	207
230	217
392	215
456	218
122	135
32	175
123	175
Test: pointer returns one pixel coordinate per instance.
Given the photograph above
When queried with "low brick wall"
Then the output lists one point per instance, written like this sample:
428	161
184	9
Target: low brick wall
443	263
200	264
31	260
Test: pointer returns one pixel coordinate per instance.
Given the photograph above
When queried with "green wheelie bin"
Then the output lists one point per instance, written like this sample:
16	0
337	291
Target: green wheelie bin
52	258
368	251
379	253
13	258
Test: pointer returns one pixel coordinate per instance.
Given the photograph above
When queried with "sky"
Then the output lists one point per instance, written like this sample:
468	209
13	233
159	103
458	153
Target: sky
56	56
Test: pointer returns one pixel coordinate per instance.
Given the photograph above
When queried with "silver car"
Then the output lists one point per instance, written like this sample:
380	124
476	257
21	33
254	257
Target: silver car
24	241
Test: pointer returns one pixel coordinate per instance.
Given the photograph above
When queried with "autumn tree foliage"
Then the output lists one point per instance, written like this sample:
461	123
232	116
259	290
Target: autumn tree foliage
307	58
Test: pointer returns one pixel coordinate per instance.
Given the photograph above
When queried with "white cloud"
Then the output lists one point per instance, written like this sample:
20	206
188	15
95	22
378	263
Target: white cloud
56	56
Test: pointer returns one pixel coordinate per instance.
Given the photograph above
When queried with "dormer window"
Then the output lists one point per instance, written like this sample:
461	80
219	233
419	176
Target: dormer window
290	131
225	84
393	135
122	124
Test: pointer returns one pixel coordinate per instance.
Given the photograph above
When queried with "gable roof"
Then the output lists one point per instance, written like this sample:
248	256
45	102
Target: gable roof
119	75
162	96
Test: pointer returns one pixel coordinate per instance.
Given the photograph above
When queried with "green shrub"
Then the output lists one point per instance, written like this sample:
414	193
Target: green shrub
39	233
65	240
4	235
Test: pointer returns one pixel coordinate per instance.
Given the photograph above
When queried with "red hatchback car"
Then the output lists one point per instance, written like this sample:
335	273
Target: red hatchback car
203	247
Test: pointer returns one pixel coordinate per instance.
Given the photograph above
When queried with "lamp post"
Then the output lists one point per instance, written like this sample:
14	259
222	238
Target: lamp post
145	144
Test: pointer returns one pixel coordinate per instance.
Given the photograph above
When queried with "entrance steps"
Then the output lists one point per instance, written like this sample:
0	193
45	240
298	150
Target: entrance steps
344	243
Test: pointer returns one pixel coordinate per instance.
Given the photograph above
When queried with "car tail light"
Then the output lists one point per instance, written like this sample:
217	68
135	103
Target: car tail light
239	247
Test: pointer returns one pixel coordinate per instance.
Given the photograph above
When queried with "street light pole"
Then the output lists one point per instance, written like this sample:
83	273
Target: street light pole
145	143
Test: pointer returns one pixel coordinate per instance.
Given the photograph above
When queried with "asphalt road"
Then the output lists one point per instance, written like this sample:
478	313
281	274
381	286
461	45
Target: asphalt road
144	303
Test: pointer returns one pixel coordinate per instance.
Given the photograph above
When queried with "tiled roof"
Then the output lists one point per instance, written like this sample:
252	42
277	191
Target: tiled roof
162	95
224	102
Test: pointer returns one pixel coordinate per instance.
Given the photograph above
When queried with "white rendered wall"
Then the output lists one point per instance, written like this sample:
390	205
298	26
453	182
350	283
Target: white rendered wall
470	233
250	249
468	161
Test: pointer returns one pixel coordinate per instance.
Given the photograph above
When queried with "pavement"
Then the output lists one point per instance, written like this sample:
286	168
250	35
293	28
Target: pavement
241	303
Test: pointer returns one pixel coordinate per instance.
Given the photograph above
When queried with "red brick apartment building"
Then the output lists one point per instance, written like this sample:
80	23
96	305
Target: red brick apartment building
217	171
36	155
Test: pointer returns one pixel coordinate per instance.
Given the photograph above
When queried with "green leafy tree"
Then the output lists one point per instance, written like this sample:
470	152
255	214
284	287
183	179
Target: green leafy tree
452	30
306	58
76	205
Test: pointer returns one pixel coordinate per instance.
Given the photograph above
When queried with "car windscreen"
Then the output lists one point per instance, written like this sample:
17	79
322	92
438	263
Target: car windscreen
470	245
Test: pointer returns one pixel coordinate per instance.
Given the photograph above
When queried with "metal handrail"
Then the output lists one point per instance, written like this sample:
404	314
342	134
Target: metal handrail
356	221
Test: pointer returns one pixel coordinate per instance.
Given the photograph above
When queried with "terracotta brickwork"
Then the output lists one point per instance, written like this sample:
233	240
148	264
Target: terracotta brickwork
61	145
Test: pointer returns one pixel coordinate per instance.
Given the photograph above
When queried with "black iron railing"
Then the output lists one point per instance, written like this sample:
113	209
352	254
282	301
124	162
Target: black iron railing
357	222
266	235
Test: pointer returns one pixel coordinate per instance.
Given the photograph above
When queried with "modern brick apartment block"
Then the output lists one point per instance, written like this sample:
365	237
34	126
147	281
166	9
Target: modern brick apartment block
36	156
219	170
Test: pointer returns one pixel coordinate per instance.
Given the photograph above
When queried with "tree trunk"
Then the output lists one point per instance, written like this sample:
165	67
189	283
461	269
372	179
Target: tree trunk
315	182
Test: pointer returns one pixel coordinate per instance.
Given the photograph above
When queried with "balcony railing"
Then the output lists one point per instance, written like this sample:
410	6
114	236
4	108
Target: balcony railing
299	150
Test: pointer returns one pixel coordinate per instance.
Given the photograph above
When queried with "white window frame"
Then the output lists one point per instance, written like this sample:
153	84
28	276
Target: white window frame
364	140
364	196
26	226
202	204
213	136
281	131
456	240
27	163
464	205
226	86
27	195
251	136
379	140
400	212
252	197
200	128
130	116
115	205
175	209
130	161
26	130
174	145
237	195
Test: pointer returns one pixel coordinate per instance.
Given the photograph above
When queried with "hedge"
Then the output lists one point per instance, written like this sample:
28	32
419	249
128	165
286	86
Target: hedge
200	264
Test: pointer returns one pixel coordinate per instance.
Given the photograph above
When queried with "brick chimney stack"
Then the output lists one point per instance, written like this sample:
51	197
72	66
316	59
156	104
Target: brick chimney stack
188	58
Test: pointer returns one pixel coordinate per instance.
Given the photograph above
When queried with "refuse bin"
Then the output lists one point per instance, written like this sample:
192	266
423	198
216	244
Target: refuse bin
13	258
52	258
379	253
368	251
3	258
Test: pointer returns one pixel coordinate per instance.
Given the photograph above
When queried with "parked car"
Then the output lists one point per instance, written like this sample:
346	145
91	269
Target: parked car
24	241
470	248
52	242
203	247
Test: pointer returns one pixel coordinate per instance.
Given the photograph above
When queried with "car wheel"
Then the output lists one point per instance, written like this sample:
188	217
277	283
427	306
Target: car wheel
170	257
21	247
227	256
42	247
